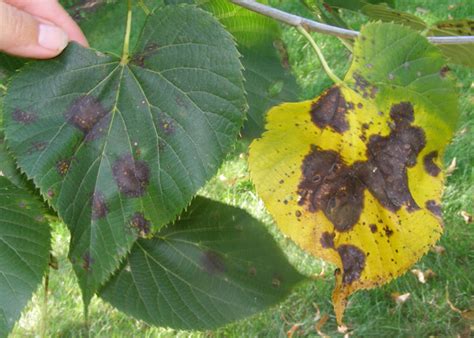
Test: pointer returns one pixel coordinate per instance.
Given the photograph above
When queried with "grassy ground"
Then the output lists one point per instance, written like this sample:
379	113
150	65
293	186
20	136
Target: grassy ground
427	311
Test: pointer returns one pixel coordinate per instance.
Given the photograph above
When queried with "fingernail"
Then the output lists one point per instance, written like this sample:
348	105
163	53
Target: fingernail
51	37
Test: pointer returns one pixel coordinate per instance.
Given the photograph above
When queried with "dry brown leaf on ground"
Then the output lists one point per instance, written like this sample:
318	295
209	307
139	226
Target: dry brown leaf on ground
320	324
400	298
452	166
440	250
423	276
466	216
293	330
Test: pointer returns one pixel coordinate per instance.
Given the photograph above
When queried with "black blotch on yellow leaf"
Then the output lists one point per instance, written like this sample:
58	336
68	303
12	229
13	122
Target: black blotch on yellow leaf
140	224
431	167
373	228
131	176
99	206
388	231
330	110
337	189
363	87
385	171
327	240
24	117
331	186
212	262
353	262
434	207
139	58
85	112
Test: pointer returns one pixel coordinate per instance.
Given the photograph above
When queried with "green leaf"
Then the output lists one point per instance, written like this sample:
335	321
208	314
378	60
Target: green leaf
387	14
8	166
456	53
103	21
268	80
216	265
8	65
112	144
24	248
356	5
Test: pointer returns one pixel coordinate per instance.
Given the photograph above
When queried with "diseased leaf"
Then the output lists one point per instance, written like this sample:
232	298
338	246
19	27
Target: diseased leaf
24	247
354	176
115	145
387	14
355	5
268	80
457	53
217	264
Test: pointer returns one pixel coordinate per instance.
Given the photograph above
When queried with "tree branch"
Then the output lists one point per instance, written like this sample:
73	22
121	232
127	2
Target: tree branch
311	25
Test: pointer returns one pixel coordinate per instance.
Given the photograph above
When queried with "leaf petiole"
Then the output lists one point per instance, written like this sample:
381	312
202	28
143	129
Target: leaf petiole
320	55
128	29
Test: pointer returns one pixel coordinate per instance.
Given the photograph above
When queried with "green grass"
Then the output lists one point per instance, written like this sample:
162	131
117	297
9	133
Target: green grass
370	313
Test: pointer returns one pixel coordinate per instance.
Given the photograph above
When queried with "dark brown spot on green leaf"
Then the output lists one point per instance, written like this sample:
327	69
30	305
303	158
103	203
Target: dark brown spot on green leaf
85	112
62	166
99	206
140	58
353	262
140	224
330	110
131	176
87	262
24	117
212	262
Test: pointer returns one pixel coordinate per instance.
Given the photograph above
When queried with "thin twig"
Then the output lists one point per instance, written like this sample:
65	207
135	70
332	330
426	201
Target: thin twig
320	55
311	25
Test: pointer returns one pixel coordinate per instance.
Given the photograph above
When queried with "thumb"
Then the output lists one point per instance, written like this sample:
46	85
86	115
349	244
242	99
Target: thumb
24	35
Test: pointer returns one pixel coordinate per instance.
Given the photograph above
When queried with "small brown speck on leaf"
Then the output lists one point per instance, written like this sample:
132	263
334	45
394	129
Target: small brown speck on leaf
24	117
62	166
140	224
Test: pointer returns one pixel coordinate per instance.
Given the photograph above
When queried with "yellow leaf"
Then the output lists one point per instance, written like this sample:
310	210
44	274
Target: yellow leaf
354	176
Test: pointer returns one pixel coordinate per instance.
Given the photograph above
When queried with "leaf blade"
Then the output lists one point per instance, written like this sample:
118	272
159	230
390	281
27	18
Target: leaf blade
210	268
119	140
25	245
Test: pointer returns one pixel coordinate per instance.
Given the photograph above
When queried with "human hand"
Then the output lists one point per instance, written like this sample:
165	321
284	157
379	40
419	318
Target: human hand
38	29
